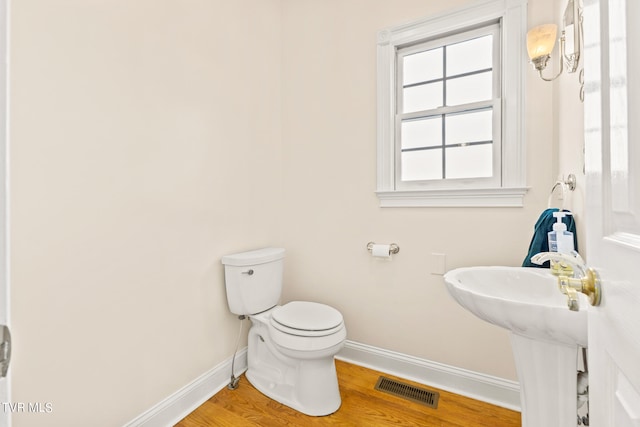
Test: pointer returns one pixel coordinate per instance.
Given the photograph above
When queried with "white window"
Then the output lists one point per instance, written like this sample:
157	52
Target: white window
450	109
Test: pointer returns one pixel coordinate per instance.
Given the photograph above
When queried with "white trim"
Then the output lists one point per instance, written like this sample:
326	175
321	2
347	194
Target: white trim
513	16
486	388
480	197
184	401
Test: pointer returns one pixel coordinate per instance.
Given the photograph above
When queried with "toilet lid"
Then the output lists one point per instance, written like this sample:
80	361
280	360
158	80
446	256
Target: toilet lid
307	316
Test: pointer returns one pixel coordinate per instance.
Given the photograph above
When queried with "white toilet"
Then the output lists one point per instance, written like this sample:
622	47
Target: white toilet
291	347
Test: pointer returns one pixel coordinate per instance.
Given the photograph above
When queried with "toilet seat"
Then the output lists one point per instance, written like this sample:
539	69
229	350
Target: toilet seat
307	319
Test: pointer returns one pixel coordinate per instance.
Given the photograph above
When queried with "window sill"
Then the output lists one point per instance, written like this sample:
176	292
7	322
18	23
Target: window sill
477	197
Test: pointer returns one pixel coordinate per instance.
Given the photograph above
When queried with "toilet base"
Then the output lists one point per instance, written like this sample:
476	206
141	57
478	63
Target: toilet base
307	385
313	398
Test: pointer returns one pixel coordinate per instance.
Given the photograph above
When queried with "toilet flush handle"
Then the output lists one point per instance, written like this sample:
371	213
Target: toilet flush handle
249	272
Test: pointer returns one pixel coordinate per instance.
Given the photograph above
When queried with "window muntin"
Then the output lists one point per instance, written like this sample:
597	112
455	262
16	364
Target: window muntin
448	102
509	189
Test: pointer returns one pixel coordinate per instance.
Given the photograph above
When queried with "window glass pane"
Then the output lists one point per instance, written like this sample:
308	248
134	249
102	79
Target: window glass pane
474	88
471	55
474	126
422	132
423	97
421	165
472	161
422	66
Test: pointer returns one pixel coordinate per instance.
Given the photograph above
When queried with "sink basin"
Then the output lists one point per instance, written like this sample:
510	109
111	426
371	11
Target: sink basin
526	301
545	334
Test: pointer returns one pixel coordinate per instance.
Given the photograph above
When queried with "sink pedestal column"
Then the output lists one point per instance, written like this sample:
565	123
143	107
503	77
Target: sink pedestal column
548	382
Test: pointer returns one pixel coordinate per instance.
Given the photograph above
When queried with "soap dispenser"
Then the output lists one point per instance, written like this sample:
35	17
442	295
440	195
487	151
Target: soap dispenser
560	240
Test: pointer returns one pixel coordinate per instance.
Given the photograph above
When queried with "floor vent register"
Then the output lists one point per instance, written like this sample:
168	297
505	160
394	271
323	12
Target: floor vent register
415	394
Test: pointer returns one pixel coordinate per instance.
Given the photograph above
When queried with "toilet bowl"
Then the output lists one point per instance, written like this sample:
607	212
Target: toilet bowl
295	370
291	347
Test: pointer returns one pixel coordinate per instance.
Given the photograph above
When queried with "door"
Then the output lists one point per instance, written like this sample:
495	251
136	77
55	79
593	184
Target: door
5	349
612	153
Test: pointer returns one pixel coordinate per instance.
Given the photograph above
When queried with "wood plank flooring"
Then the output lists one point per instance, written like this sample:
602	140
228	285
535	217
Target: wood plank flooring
362	405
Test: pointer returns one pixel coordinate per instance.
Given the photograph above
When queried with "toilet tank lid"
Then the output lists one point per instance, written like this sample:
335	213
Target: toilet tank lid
259	256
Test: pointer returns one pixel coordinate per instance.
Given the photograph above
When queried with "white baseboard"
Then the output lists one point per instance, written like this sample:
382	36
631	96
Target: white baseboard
486	388
184	401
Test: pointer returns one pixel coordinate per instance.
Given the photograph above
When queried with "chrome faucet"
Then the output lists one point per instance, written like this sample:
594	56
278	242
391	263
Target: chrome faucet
585	280
573	260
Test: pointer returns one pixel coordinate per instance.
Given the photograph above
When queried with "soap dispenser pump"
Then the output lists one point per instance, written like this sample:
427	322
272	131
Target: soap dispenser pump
560	240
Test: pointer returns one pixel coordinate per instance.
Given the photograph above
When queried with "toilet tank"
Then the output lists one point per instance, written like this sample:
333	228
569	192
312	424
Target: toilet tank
253	280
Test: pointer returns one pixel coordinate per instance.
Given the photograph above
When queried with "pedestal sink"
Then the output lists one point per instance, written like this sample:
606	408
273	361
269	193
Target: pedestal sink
545	334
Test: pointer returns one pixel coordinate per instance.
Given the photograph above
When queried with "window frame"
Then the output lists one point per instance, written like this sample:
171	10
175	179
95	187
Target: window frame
508	187
493	103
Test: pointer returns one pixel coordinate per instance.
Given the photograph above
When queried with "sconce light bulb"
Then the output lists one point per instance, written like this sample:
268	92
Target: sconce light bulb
540	43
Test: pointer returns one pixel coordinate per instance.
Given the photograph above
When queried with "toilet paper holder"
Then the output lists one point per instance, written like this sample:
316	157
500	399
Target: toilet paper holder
393	248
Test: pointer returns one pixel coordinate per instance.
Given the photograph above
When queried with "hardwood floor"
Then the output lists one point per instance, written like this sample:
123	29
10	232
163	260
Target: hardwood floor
362	405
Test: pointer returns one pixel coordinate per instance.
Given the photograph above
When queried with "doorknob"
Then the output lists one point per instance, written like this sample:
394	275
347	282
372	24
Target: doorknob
5	350
588	285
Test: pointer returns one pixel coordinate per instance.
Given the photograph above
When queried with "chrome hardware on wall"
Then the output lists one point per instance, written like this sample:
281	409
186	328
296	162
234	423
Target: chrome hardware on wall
393	248
588	285
568	184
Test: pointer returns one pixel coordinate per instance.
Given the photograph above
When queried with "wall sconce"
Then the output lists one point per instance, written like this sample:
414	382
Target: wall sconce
541	40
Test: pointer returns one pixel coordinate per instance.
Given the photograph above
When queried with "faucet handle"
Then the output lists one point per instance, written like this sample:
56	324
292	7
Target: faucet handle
570	292
567	264
588	285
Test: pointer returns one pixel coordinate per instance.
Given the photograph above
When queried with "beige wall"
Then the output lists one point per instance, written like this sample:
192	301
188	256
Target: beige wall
569	127
145	144
150	138
329	112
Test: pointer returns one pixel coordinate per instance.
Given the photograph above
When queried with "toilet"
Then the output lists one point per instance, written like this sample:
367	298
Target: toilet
291	347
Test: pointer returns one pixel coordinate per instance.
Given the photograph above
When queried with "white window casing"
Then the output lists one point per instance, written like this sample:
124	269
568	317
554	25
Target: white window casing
507	187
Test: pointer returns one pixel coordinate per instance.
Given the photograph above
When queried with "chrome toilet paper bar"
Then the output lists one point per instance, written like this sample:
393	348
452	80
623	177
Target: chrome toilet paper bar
393	248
